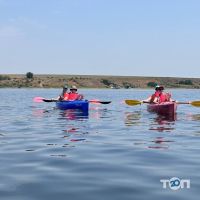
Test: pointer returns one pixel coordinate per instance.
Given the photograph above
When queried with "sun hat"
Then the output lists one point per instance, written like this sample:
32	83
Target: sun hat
73	87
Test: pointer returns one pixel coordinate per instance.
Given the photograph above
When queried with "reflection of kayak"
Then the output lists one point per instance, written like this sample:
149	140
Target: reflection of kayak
165	108
77	104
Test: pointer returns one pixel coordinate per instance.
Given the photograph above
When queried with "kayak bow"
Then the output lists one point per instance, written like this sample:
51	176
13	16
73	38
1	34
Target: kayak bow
165	108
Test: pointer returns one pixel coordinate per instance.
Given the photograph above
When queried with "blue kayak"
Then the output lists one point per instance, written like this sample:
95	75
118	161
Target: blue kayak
77	104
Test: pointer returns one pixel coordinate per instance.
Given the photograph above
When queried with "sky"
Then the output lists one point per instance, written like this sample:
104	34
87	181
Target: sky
100	37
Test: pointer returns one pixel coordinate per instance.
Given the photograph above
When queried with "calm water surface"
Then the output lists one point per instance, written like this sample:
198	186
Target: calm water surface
117	152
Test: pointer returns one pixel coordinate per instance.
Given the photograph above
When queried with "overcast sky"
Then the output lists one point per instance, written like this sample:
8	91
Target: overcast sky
101	37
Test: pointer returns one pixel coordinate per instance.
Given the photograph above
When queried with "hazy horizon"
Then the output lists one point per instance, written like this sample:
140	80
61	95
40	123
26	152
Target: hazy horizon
52	74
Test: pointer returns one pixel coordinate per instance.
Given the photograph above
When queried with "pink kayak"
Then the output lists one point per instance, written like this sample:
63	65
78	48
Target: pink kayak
165	108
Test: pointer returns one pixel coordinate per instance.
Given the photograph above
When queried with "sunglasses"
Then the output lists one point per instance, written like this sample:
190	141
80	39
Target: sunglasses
159	89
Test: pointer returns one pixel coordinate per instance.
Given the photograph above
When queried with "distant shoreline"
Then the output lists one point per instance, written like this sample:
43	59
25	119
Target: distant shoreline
94	81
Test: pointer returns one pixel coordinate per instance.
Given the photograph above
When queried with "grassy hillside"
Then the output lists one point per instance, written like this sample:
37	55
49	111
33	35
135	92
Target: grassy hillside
90	81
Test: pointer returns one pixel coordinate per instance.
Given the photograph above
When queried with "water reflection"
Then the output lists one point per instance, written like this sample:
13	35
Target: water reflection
193	117
157	143
40	112
160	143
163	123
73	114
132	118
73	129
70	114
159	123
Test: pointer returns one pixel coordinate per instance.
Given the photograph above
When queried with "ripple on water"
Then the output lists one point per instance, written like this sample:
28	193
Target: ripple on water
115	152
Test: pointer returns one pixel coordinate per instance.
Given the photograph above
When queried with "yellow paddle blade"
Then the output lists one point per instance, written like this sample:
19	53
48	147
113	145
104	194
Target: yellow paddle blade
132	102
195	103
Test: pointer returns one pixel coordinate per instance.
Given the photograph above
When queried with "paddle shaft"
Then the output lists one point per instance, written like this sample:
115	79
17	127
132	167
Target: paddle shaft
92	101
183	102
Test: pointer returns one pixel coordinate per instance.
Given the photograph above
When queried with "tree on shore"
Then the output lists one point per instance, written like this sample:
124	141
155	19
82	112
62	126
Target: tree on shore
29	75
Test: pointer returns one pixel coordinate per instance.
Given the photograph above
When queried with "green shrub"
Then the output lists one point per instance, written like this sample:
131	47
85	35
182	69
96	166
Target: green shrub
4	77
127	85
106	82
152	84
186	82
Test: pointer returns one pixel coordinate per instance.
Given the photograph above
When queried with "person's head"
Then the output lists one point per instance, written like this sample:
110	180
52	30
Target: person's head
159	88
65	88
73	89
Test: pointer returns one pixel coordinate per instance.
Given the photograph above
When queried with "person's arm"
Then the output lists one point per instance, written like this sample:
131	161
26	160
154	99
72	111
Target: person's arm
156	100
172	100
168	97
80	97
147	100
151	99
57	98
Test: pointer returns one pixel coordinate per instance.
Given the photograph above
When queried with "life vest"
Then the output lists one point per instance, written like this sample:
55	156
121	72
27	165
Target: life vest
72	96
161	97
65	96
153	96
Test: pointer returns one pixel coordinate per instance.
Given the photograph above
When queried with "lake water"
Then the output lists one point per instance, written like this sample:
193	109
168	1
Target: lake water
117	152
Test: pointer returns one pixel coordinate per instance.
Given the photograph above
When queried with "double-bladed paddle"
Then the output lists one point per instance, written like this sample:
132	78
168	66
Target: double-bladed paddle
137	102
41	99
